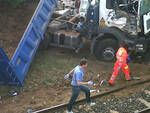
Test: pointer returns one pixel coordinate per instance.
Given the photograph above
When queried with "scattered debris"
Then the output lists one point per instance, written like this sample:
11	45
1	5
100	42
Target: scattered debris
91	91
13	93
102	82
63	12
33	98
98	75
136	78
29	110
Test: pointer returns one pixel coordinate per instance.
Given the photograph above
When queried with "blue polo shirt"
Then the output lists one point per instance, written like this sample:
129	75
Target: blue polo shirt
78	74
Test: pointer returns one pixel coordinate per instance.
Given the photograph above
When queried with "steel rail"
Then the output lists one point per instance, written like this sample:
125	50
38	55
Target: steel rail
146	110
95	96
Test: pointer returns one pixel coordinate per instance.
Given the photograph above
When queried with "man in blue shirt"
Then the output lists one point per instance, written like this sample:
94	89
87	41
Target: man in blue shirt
78	84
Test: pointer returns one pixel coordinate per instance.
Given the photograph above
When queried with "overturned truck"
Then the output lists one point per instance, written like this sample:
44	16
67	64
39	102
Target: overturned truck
106	23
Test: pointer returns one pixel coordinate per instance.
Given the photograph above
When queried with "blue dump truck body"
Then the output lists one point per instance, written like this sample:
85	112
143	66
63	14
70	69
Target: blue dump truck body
13	72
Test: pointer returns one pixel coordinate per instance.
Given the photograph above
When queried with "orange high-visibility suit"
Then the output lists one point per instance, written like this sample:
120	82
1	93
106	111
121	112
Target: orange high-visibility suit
121	63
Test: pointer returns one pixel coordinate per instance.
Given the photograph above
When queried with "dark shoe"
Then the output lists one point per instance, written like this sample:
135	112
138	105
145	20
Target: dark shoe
110	84
129	79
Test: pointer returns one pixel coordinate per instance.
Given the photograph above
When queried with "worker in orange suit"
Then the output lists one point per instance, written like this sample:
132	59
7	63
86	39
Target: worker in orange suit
121	63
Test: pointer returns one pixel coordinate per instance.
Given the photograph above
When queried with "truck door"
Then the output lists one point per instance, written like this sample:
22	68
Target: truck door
105	6
145	13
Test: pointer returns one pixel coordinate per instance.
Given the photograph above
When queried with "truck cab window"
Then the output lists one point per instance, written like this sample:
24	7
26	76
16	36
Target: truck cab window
109	4
145	6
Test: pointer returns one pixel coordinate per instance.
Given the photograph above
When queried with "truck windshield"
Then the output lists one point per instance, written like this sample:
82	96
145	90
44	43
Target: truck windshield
145	6
84	4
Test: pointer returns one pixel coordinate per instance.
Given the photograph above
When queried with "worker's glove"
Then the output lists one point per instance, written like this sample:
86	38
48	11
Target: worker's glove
128	59
66	76
90	82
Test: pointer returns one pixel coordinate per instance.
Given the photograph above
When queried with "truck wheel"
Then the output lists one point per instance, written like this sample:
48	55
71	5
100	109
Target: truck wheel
105	50
147	58
44	43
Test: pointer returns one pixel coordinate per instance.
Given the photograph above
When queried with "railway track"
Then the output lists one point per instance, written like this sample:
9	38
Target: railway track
147	110
142	103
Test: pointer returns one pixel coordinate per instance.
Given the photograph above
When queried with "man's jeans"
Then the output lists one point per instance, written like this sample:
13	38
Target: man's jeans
75	92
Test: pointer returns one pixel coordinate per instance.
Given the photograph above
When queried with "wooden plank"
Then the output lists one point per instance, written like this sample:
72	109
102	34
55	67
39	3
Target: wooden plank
147	92
113	111
144	102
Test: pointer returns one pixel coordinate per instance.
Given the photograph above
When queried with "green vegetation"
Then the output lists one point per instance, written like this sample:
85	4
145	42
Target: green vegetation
15	3
47	69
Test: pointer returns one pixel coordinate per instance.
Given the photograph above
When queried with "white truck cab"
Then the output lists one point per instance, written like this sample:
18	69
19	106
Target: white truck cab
125	15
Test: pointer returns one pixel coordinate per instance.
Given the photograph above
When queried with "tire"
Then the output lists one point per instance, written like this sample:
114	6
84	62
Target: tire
45	43
147	58
106	49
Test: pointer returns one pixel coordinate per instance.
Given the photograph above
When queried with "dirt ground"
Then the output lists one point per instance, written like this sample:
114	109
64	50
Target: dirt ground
44	84
13	22
47	87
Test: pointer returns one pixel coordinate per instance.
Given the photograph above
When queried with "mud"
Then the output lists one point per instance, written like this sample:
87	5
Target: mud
13	22
46	96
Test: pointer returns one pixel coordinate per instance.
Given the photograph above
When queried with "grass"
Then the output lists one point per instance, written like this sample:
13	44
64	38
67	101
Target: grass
48	69
15	3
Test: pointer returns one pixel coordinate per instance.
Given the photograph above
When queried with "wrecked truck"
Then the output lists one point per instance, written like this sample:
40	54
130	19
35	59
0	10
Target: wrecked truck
106	23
